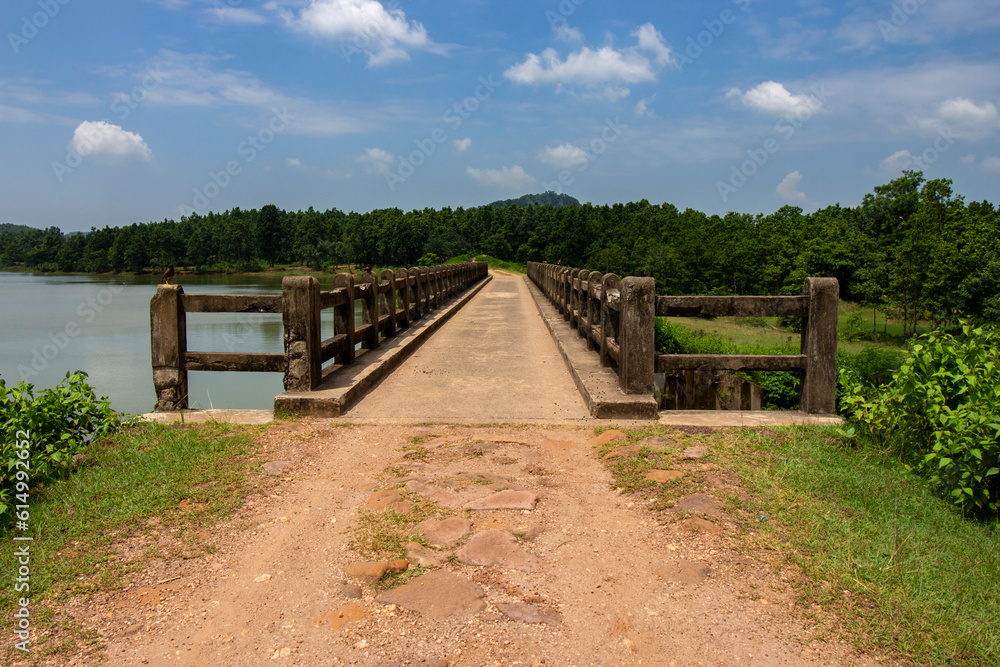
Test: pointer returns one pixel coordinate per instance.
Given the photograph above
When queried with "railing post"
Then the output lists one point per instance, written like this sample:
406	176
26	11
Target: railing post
168	327
416	295
819	344
593	308
343	317
637	323
300	311
389	301
608	327
402	296
369	311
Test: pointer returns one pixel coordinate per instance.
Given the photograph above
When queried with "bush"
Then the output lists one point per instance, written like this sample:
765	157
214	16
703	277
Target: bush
940	413
56	425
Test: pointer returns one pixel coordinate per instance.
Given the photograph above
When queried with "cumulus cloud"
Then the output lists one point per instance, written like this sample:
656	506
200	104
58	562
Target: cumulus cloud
366	25
566	156
644	108
462	145
991	164
788	189
897	162
773	98
968	159
100	138
564	33
605	67
968	119
376	160
506	177
293	162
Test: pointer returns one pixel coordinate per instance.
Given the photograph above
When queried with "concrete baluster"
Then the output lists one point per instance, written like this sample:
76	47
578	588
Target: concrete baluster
168	327
300	316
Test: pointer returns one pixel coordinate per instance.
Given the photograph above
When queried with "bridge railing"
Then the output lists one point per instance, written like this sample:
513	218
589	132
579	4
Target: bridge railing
389	303
617	317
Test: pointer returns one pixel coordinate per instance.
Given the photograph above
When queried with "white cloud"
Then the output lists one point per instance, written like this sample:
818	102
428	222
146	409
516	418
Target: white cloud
100	138
564	33
788	189
364	25
293	162
968	119
376	160
605	67
968	159
897	162
506	177
462	145
18	115
566	156
225	14
774	99
644	108
991	164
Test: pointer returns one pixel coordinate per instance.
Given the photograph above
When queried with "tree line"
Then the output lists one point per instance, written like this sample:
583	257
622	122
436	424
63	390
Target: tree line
912	247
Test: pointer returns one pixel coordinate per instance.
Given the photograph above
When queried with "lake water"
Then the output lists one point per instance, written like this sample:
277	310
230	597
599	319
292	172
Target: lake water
100	324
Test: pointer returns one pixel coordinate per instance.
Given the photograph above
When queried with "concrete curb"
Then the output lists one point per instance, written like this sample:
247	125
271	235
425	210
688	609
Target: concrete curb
598	385
341	389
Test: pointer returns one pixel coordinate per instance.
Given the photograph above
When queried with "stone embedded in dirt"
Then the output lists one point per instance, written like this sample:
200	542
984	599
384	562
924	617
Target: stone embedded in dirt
627	450
664	476
423	662
696	523
388	499
276	468
438	594
529	613
658	442
497	547
342	616
700	502
505	500
421	555
445	497
558	444
606	437
399	566
262	578
446	532
534	532
698	452
684	572
350	591
367	572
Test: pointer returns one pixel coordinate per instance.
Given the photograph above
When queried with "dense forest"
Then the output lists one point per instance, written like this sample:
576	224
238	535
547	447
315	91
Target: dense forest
912	247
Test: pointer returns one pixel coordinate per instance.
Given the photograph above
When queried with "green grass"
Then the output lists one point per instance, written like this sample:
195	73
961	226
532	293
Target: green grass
144	471
899	569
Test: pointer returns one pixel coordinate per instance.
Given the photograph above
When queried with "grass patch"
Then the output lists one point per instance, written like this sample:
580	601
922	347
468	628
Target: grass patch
186	478
384	534
899	568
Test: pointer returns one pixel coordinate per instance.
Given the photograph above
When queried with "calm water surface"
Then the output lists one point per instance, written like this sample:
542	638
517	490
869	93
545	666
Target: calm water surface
100	324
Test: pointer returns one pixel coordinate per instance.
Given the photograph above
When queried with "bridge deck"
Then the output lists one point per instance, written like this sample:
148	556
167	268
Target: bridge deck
495	360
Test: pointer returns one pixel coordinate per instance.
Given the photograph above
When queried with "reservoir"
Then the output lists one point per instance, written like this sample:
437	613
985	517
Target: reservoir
100	324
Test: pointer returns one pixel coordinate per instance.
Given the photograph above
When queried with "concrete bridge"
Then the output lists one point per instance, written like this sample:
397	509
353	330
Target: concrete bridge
460	344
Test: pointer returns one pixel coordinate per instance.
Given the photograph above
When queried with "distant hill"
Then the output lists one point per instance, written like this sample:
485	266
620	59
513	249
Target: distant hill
549	197
15	229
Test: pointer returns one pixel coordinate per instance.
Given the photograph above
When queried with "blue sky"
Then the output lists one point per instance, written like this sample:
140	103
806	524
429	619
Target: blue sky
121	112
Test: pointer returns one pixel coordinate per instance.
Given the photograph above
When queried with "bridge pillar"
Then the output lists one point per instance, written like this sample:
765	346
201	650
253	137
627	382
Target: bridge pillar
168	329
300	316
637	335
819	344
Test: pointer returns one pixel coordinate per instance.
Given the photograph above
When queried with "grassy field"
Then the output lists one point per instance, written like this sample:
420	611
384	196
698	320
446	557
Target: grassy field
184	478
894	567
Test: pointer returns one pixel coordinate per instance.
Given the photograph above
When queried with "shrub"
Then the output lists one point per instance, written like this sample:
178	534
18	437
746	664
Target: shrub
940	413
59	423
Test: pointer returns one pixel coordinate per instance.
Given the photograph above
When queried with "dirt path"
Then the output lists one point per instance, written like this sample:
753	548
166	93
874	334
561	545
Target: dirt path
508	369
584	577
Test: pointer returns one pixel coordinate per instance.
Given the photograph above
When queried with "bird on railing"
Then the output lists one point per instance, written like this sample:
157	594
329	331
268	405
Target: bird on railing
168	274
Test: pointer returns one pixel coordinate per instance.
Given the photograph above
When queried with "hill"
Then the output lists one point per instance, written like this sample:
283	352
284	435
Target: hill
549	197
16	229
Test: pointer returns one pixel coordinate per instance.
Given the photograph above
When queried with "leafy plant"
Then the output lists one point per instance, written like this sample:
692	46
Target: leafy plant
41	433
941	414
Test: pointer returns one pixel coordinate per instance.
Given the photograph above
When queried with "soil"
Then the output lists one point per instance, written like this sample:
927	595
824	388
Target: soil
587	576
